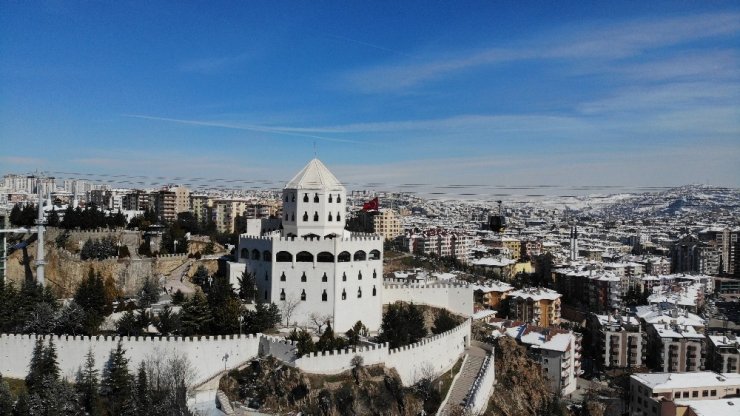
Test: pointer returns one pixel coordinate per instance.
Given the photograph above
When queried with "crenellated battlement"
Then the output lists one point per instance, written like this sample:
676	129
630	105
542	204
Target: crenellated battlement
423	286
129	339
363	238
169	256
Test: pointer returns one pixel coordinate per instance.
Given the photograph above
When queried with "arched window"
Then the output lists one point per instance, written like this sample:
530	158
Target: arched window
286	198
339	198
375	255
330	236
325	257
266	255
330	216
265	295
292	217
305	197
303	294
344	276
282	277
343	257
292	197
315	197
255	254
330	198
324	296
344	294
305	216
375	274
244	253
267	276
315	215
359	292
360	255
304	256
286	216
303	277
324	278
282	294
283	256
339	217
359	275
375	291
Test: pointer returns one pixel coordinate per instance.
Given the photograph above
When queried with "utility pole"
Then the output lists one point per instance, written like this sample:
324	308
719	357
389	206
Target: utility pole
40	231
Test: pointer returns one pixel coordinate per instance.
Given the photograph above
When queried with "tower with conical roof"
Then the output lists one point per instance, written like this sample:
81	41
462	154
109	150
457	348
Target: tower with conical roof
312	262
314	203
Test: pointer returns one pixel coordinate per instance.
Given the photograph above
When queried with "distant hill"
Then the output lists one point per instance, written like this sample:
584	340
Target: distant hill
687	199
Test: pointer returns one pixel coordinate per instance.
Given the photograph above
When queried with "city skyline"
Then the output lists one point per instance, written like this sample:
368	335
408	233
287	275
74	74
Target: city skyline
611	95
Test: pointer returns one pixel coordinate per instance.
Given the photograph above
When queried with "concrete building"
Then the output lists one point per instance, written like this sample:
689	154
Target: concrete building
673	394
313	266
201	206
182	199
439	242
558	351
225	212
723	353
538	306
619	340
136	201
493	294
388	224
163	202
676	340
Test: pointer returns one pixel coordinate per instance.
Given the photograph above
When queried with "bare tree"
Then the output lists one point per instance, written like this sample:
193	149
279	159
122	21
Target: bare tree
318	321
287	307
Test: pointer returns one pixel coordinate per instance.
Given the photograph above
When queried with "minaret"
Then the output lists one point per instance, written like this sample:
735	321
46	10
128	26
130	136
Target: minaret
40	262
573	242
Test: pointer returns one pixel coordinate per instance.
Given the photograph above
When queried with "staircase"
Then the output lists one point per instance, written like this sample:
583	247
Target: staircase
224	403
461	388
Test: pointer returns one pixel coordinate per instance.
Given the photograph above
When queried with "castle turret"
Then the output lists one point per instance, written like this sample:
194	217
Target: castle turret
314	202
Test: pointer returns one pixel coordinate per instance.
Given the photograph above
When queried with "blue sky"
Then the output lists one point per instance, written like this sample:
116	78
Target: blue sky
503	93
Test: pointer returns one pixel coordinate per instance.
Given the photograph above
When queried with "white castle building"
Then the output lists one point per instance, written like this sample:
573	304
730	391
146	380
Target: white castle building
312	260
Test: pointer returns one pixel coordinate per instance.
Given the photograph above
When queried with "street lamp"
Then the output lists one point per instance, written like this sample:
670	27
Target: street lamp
241	319
174	243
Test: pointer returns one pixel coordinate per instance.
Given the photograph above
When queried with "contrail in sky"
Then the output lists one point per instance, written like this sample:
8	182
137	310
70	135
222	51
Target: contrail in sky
248	127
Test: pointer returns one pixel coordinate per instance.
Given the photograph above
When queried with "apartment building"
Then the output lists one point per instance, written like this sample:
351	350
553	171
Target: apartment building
619	340
683	394
439	242
163	202
723	353
535	305
182	199
676	340
556	350
493	294
201	206
388	224
136	201
225	212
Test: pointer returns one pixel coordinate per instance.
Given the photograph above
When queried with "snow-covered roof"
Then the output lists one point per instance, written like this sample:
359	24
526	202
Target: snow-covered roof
536	293
315	176
695	379
485	313
493	286
558	342
726	406
493	262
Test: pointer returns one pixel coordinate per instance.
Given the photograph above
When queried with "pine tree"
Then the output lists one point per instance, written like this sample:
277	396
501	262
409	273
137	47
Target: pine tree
149	293
6	399
87	385
196	315
49	366
247	286
127	324
22	407
143	401
167	322
444	321
116	383
35	368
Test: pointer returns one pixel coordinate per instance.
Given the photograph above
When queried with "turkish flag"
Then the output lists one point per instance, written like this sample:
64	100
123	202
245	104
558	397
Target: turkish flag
371	205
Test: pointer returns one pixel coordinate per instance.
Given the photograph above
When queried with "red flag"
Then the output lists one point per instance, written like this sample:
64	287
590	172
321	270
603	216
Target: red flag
371	205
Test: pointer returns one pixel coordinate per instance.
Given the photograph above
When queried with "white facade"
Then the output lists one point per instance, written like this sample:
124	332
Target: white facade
313	262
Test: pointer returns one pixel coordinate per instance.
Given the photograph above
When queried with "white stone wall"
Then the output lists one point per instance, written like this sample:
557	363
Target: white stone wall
344	312
207	355
436	354
482	387
455	298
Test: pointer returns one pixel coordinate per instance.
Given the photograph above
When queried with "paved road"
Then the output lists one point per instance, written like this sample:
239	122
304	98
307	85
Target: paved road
178	279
